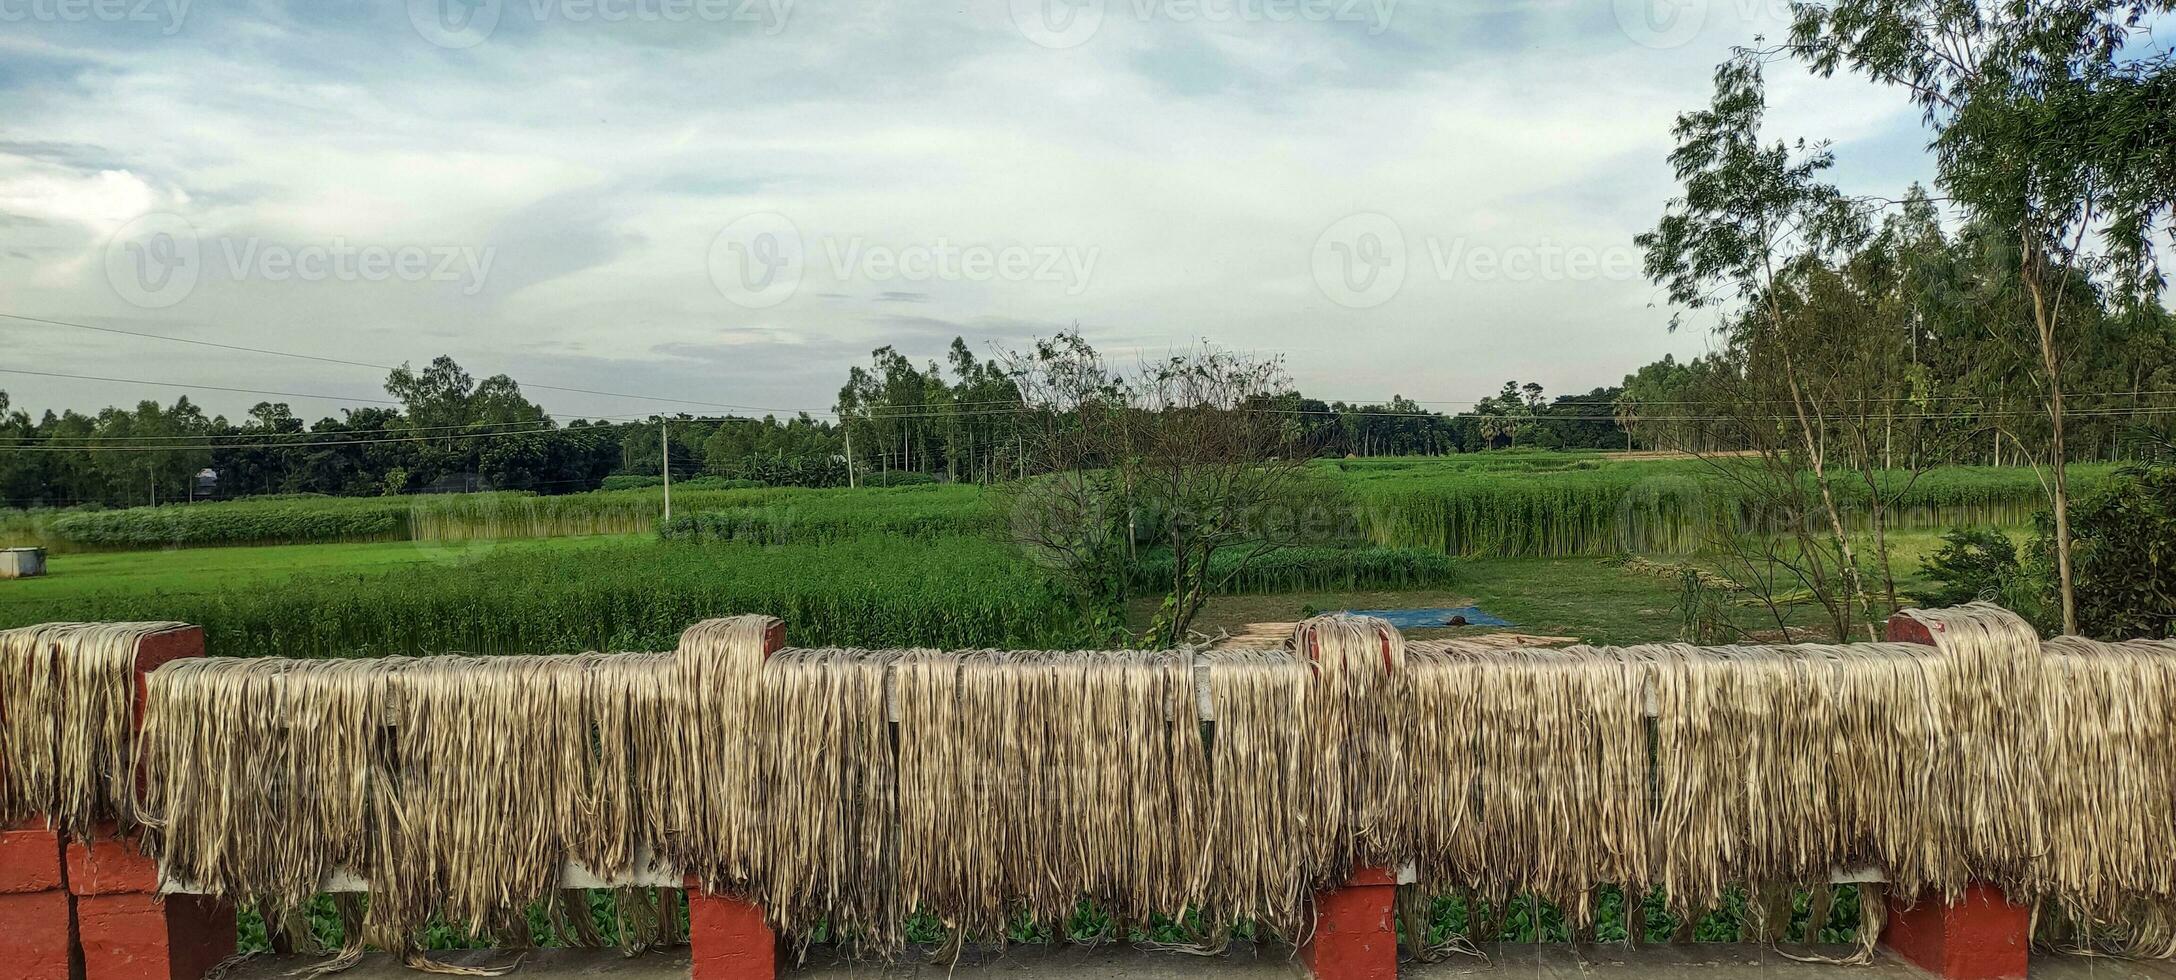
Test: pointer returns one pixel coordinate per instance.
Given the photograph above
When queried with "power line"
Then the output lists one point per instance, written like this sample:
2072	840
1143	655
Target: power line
176	384
308	445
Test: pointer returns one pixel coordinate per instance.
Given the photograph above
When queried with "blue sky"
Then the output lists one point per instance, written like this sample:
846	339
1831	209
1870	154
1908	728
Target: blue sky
730	200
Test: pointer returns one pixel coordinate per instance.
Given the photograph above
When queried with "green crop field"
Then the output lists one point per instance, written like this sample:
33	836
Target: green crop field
769	514
1563	504
917	565
630	593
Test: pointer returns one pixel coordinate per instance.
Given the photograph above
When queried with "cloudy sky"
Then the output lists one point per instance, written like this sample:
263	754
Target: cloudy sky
729	201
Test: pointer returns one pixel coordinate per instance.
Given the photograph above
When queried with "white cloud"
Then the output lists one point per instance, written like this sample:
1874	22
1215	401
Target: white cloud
1197	164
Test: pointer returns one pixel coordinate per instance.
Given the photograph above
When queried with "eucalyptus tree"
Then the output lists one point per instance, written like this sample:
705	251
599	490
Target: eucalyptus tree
2051	123
1752	215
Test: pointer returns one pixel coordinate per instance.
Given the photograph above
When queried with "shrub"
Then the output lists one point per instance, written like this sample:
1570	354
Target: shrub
1974	564
2124	556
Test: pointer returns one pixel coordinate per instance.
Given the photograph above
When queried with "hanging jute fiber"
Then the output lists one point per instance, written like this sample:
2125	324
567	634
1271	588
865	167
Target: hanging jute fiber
845	790
458	788
1992	732
2107	768
67	694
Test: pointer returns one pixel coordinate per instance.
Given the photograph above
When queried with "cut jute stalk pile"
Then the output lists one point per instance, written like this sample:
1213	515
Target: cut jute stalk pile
1015	786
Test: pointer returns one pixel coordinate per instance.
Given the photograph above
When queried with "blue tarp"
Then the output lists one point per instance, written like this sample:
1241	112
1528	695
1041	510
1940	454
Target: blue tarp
1409	619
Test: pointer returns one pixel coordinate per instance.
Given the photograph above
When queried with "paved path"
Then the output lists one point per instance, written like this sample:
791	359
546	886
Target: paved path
1705	961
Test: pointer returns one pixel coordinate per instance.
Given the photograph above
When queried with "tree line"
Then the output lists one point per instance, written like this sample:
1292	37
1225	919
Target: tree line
441	429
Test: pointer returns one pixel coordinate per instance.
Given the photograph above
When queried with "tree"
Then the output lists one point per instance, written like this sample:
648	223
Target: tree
2051	123
1752	213
1187	453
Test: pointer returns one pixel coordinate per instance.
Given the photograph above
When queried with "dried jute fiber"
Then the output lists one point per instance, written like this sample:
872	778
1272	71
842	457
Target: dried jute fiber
1992	729
717	815
846	790
67	692
2107	792
458	788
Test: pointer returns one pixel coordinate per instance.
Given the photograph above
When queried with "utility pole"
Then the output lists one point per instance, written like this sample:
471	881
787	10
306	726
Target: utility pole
849	456
664	443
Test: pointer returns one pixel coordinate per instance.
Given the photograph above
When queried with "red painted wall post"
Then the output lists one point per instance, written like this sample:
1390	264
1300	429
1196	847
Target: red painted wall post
1356	933
126	929
727	936
1982	937
37	915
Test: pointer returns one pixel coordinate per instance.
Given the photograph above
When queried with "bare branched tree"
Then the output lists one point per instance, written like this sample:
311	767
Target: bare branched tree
1193	454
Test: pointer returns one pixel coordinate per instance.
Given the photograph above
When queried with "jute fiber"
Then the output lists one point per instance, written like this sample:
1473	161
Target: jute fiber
1007	812
1528	773
67	694
458	788
718	675
2108	795
1992	732
1015	786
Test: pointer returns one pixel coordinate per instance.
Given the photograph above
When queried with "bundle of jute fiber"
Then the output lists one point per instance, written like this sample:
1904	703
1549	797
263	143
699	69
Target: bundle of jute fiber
1029	782
1528	774
265	777
1268	842
1785	764
828	807
501	781
718	669
2108	794
458	788
1356	725
1992	661
66	718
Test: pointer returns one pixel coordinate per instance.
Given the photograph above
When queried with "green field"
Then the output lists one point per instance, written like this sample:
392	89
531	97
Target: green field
1502	504
1524	535
1562	504
772	515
